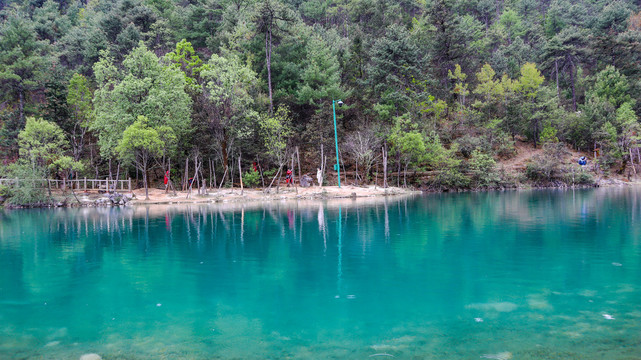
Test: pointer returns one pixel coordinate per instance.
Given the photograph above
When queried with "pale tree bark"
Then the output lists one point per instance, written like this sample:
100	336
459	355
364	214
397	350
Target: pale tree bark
384	167
240	171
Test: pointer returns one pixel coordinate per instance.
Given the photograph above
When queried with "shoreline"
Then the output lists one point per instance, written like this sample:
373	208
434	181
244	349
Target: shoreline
253	195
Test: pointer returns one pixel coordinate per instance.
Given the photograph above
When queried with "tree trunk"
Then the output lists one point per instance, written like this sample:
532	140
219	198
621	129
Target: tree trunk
144	180
222	181
280	173
213	165
169	182
298	161
572	71
268	61
231	175
186	178
202	177
384	167
293	182
260	170
398	172
223	146
632	162
192	183
277	175
240	172
322	166
110	178
323	169
196	177
117	177
210	170
405	176
356	172
376	178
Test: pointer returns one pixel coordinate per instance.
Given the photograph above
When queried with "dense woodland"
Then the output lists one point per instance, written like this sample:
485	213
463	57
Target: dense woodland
436	92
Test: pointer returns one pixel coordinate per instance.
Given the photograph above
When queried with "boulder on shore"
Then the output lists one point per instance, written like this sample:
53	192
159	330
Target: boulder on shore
306	181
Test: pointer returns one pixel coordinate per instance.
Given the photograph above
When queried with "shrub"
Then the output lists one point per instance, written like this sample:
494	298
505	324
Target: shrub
483	170
450	175
548	167
251	178
468	144
503	146
25	192
452	178
4	193
270	173
579	177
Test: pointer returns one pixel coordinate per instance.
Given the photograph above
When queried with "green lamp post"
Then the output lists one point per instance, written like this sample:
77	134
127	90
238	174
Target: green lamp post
337	166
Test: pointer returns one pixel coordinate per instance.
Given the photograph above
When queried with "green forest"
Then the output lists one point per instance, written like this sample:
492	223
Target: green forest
436	93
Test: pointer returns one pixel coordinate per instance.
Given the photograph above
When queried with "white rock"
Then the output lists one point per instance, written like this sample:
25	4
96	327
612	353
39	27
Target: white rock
90	357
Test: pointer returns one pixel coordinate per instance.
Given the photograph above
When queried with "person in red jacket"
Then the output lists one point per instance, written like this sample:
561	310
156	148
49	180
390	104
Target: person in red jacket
289	179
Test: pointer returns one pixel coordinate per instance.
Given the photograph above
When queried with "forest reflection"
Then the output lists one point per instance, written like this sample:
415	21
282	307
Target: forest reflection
230	232
243	227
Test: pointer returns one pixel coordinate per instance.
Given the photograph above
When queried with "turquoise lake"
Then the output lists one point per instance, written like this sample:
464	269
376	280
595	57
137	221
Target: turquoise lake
549	274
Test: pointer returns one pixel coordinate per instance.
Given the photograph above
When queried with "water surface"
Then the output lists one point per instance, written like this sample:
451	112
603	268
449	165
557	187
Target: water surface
527	275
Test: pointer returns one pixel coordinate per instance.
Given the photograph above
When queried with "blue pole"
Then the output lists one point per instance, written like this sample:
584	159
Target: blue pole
338	167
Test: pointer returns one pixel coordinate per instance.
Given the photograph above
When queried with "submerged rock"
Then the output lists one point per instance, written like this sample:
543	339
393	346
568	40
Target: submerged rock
493	306
506	355
90	357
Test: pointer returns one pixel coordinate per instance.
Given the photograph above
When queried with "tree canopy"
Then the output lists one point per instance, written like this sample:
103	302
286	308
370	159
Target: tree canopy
447	86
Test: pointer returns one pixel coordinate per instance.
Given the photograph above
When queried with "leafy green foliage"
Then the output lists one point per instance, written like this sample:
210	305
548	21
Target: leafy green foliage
276	131
445	83
41	142
29	191
251	178
143	87
395	66
22	59
483	170
139	144
321	75
612	86
231	87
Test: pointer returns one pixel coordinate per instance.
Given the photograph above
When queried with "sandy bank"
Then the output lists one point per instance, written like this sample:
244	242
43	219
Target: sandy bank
157	196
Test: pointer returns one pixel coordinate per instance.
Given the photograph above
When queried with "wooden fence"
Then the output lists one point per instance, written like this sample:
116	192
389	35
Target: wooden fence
78	184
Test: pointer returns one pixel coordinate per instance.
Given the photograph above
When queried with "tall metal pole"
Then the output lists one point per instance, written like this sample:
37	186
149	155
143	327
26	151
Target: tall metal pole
338	167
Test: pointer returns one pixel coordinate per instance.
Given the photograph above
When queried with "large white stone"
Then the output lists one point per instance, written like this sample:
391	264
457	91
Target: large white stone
90	357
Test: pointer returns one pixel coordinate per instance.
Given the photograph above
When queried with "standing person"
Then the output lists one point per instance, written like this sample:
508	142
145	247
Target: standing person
289	178
319	176
166	179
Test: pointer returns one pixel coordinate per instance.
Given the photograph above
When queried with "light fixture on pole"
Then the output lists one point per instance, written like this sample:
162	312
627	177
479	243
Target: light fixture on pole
337	167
